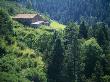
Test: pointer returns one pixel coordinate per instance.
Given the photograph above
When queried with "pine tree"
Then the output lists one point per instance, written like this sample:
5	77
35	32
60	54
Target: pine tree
29	4
98	71
93	53
6	27
83	30
55	67
90	32
102	35
103	39
71	53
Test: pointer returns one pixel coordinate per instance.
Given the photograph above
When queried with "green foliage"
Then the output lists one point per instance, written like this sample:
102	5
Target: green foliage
71	53
14	8
56	25
52	53
40	37
55	66
12	77
6	28
106	78
103	37
83	31
93	53
19	60
18	63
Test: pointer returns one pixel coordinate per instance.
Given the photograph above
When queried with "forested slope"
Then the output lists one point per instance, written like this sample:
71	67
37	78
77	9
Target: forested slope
19	62
72	10
75	53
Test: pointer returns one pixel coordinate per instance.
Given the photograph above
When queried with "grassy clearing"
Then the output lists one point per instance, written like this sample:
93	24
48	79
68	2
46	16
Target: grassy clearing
57	25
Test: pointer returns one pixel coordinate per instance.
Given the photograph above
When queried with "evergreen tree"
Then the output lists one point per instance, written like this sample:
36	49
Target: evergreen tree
101	32
98	71
55	67
103	37
93	53
6	28
29	4
83	30
90	32
71	53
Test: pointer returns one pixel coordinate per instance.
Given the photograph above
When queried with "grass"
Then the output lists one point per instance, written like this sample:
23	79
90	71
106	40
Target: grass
57	25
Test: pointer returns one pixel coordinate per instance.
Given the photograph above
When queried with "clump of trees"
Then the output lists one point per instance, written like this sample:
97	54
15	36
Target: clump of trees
85	54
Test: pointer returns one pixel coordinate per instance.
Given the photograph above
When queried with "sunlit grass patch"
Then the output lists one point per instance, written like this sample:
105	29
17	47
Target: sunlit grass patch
57	25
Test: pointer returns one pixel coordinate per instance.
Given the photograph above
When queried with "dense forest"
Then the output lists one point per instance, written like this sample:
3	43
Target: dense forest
74	52
91	11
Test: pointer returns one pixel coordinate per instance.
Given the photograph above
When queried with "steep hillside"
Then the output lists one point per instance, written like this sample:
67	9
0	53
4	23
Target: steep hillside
18	62
55	53
22	47
72	10
13	8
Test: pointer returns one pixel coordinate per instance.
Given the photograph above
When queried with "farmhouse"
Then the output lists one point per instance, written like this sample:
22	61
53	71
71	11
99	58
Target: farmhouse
31	19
